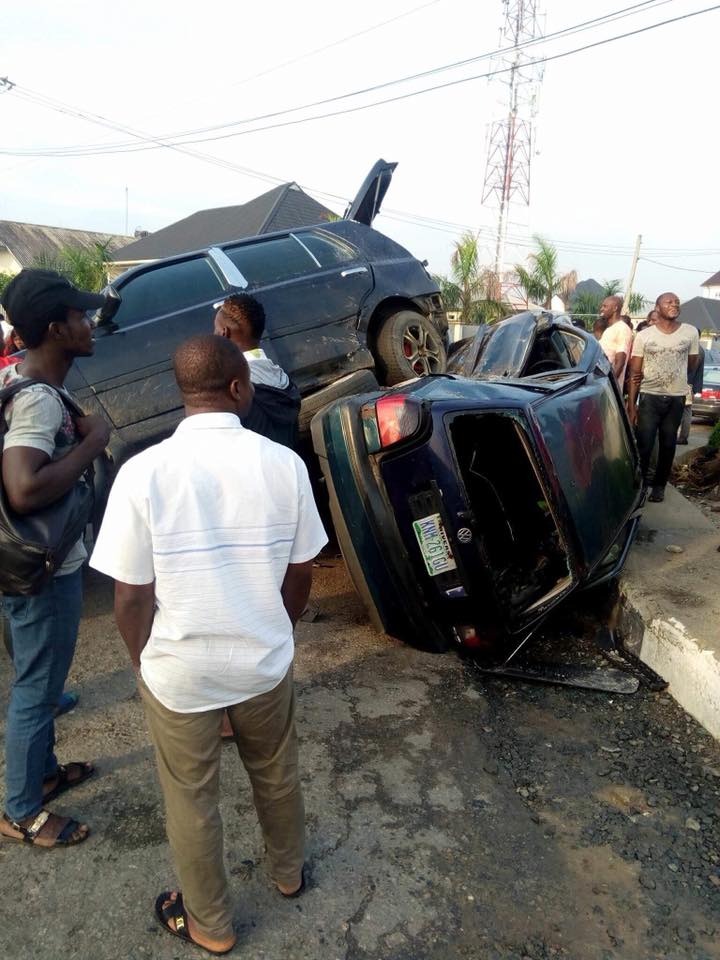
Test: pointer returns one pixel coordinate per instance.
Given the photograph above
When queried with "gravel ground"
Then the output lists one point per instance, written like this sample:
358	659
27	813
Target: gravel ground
449	815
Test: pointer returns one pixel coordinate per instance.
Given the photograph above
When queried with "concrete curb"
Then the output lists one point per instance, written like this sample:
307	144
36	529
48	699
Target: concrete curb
665	644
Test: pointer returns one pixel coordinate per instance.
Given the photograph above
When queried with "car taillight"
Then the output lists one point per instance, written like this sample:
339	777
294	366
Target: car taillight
708	394
398	417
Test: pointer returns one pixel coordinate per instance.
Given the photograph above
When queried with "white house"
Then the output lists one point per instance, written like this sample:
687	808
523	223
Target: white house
711	287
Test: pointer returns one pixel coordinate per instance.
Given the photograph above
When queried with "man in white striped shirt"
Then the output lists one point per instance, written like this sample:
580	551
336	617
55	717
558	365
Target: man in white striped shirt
210	538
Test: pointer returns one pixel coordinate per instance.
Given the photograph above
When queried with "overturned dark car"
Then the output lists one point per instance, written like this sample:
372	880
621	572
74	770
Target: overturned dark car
468	505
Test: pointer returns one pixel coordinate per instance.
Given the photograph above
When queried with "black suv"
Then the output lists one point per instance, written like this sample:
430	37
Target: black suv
344	305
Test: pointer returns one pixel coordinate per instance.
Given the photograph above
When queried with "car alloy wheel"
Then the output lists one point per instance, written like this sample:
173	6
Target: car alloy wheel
422	349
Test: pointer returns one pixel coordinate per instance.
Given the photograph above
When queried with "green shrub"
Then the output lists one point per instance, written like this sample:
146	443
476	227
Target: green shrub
714	441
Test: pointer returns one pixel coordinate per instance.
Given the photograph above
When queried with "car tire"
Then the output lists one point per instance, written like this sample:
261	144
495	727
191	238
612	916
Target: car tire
362	381
409	345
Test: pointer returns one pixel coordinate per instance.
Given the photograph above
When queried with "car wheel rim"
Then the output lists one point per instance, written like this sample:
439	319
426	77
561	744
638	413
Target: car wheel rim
421	350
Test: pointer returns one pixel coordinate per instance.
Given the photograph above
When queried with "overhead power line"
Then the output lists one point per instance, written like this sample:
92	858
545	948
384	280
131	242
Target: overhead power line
672	266
175	139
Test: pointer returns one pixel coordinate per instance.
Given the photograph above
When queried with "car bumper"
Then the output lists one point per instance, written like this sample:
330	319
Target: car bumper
708	409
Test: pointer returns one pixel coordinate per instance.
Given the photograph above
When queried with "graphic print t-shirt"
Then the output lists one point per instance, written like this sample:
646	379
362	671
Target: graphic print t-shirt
665	359
37	418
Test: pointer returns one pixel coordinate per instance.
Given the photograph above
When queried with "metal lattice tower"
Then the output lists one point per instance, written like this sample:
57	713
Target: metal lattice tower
507	175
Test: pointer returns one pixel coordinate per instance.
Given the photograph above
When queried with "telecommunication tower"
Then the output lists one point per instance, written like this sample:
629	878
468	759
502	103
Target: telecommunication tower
511	140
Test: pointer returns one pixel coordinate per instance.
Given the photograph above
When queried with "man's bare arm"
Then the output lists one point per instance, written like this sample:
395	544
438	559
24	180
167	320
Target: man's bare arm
295	589
134	612
636	366
32	480
692	364
618	365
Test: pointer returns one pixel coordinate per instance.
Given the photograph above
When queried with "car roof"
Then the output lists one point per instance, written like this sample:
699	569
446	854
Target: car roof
241	241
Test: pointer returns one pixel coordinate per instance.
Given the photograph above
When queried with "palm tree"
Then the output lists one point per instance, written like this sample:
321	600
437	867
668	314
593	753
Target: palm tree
611	288
85	268
637	304
541	282
586	304
450	292
466	274
471	289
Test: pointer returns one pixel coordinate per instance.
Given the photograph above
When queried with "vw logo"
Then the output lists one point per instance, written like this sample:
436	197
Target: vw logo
464	534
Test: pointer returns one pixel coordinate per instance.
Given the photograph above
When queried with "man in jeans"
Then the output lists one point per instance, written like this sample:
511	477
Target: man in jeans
664	357
45	453
210	537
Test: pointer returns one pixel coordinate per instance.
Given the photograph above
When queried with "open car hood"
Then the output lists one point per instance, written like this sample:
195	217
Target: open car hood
366	205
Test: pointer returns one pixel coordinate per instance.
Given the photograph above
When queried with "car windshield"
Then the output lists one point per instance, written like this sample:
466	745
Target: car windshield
496	351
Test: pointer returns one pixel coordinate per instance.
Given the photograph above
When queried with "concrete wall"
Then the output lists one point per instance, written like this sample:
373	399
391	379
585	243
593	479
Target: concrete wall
8	263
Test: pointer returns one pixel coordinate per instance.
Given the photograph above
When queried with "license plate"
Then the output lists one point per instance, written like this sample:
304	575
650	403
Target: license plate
434	545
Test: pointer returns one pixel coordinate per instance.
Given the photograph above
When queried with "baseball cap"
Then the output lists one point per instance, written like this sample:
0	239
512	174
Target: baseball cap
33	294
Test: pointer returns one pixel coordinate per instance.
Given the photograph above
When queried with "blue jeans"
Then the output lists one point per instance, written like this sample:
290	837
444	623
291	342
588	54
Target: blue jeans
44	632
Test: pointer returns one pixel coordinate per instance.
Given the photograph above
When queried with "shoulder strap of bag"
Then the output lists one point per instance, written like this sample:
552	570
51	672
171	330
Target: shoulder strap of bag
7	393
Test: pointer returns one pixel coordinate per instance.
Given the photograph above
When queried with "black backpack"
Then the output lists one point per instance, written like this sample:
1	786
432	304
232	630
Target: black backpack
33	546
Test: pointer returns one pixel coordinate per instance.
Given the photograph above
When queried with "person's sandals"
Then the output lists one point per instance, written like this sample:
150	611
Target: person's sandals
66	833
65	778
167	909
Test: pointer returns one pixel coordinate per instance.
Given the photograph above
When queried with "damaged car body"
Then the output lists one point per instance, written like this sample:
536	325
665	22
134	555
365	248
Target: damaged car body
346	307
468	505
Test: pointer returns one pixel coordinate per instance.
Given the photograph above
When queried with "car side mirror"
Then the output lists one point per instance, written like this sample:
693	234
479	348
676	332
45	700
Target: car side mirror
104	323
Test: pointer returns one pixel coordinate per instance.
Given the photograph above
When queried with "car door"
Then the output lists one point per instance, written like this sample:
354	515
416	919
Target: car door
312	286
130	372
366	205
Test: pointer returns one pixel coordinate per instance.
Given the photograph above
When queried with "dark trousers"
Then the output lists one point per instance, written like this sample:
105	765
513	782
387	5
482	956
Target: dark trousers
658	416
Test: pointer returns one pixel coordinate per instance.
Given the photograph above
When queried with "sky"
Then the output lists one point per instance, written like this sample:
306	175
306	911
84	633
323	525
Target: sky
627	138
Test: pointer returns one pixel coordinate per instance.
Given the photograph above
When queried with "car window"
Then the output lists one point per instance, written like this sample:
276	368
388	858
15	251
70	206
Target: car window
172	287
575	346
711	377
271	261
327	250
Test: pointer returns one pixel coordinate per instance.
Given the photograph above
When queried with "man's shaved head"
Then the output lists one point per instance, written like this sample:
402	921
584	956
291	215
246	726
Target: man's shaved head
611	307
212	372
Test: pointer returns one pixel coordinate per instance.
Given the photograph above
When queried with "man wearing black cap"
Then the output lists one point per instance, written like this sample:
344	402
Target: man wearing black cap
45	453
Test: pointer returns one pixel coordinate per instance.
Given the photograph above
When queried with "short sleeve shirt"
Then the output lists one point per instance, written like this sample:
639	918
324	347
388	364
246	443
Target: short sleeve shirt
617	338
665	359
37	418
213	516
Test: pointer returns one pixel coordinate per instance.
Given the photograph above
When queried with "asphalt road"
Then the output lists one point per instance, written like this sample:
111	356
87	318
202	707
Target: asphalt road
449	816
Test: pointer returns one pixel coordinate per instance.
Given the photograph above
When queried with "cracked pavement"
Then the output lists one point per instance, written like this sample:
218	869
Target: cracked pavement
448	815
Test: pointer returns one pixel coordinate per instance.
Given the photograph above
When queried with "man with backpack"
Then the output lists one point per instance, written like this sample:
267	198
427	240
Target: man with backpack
45	455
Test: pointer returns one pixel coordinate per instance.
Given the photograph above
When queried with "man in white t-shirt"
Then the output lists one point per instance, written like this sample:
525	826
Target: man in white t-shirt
210	537
617	337
664	357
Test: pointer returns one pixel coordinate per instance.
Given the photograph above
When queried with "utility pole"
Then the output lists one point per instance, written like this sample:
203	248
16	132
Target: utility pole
507	174
631	278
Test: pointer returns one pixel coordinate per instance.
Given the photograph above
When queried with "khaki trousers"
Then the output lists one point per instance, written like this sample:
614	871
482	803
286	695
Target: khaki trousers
187	747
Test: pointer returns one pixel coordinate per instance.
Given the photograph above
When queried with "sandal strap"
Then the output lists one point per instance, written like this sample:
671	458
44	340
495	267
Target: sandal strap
31	832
